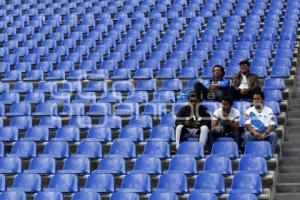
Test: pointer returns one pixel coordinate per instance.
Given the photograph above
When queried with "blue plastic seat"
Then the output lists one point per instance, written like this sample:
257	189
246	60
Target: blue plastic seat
273	95
137	97
111	97
9	98
202	195
274	84
71	109
183	164
111	165
76	165
87	65
4	87
153	108
46	86
63	183
96	86
168	120
8	134
146	85
114	122
175	62
99	109
166	96
254	164
27	183
125	149
56	149
20	109
121	74
189	73
2	183
46	109
81	121
122	86
147	164
132	133
10	165
142	121
158	148
258	148
163	195
85	97
219	164
139	183
242	196
71	86
143	73
41	165
45	66
101	183
246	182
225	148
176	183
211	182
166	73
162	133
58	74
60	97
21	122
86	196
68	134
51	121
34	75
127	109
13	195
89	149
23	149
99	134
274	105
22	87
174	84
124	196
48	195
191	148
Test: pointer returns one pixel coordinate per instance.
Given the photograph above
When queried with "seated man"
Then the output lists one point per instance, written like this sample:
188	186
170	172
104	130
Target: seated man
226	121
245	83
192	120
215	88
260	122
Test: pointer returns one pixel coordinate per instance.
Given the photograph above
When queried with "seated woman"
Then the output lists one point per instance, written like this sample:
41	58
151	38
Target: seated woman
215	88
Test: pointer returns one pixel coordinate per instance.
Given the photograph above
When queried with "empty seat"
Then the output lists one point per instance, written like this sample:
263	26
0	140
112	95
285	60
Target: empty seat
242	196
127	109
96	86
146	85
86	196
259	148
76	165
63	183
147	164
10	165
162	133
274	84
71	86
48	195
27	183
246	182
81	121
157	148
22	87
173	84
211	182
125	149
202	195
176	183
163	195
67	133
226	148
99	134
19	109
56	149
164	97
114	122
183	164
132	133
41	165
85	97
9	98
35	97
13	195
122	86
89	149
46	109
60	97
137	97
51	121
273	95
124	196
219	164
140	183
254	164
73	109
111	97
8	134
142	121
46	86
191	148
23	149
99	109
111	165
103	183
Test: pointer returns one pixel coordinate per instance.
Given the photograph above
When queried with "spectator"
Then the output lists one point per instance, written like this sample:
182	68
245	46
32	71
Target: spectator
260	122
192	121
244	83
215	88
226	121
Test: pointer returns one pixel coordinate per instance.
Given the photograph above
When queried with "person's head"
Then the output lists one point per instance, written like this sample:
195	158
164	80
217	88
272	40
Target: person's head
218	71
227	102
244	66
258	99
193	100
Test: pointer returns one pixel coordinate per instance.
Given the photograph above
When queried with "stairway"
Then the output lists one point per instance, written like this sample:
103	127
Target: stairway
288	181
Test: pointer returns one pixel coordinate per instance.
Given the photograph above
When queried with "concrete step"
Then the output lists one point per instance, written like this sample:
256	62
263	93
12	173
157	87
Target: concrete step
294	113
288	169
292	136
290	152
287	196
291	145
288	178
290	161
293	121
288	187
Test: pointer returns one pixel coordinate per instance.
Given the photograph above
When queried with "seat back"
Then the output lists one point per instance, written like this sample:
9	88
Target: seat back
259	148
173	183
252	163
137	183
147	164
111	164
100	183
13	195
157	149
82	195
192	148
202	195
163	195
124	196
27	182
48	195
64	183
125	149
219	164
183	164
226	148
90	149
41	165
210	182
247	182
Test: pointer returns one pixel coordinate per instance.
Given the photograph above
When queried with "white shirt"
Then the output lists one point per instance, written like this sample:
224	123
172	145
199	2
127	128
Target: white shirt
244	83
266	116
234	115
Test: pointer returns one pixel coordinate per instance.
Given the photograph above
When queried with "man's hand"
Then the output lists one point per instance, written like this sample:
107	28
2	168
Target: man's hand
215	85
244	91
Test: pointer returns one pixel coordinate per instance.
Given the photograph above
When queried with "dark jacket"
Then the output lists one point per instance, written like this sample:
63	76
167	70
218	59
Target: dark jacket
185	114
252	80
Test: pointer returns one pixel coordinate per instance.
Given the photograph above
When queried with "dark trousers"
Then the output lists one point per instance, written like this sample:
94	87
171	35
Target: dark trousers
202	92
235	135
236	95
